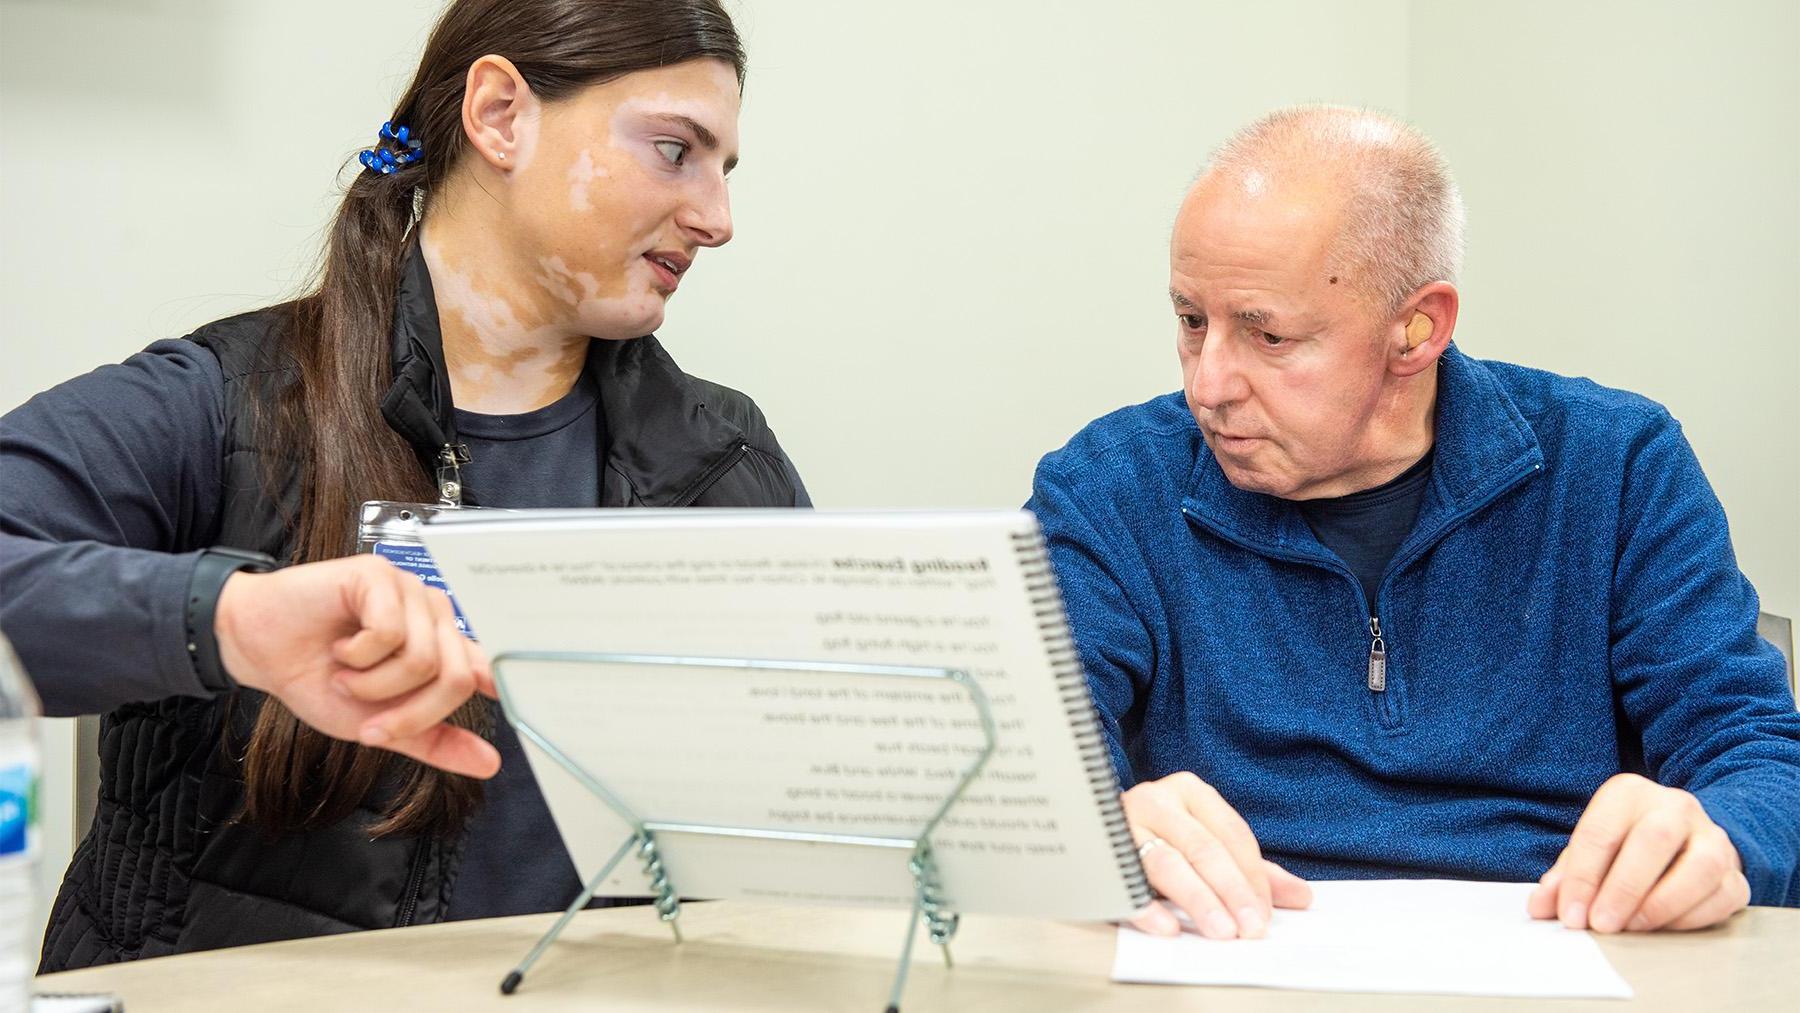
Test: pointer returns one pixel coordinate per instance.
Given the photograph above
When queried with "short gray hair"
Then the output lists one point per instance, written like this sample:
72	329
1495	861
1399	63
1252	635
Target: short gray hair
1403	213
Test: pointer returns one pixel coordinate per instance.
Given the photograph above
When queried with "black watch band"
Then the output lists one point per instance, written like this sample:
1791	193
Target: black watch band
210	573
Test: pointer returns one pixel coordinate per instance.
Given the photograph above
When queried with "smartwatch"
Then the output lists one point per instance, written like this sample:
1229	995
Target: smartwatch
215	565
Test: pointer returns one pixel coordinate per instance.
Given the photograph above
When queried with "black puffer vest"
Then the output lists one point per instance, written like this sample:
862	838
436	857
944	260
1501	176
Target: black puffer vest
167	867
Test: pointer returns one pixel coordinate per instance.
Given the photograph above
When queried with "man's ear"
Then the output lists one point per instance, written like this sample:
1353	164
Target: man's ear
1421	330
496	109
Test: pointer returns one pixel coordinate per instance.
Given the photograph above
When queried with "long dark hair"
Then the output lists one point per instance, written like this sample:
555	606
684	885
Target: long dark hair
329	423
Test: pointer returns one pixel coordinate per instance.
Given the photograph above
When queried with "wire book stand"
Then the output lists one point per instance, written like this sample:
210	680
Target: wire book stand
928	905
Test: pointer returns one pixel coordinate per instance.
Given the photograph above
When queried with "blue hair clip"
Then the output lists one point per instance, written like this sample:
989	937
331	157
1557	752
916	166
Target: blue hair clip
386	160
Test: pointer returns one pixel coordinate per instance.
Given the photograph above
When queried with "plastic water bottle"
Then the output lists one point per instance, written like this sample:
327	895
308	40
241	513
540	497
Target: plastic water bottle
19	841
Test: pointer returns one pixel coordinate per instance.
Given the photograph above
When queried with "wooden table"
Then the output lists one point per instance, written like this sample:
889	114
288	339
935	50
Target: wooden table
741	956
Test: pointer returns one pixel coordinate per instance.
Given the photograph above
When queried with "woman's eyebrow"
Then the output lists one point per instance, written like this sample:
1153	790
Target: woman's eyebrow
707	138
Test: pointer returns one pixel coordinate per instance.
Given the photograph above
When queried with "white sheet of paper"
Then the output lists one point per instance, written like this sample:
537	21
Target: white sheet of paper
1443	937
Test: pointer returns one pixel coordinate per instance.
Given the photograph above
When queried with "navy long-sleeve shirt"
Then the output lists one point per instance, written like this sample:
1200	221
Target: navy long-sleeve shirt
110	487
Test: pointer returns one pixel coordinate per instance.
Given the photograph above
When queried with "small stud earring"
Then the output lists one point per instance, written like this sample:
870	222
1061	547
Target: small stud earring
502	156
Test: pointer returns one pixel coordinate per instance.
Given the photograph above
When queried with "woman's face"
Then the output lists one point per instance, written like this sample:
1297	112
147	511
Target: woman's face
615	189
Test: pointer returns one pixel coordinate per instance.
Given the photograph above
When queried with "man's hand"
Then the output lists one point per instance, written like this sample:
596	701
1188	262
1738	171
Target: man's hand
1643	857
362	651
1200	854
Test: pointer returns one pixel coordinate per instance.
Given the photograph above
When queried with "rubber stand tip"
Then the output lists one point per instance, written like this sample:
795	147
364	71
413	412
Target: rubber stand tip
511	983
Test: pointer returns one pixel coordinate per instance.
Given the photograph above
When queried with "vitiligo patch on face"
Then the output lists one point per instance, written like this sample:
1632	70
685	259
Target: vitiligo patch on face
570	286
667	104
594	309
703	110
581	176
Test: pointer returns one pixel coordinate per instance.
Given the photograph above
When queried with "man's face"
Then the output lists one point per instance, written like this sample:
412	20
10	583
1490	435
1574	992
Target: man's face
1284	363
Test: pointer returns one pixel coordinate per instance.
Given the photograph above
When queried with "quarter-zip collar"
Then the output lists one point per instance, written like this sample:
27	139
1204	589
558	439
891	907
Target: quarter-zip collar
664	444
1483	447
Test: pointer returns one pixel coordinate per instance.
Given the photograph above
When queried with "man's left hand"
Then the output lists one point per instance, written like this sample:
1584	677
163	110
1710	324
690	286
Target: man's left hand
1643	857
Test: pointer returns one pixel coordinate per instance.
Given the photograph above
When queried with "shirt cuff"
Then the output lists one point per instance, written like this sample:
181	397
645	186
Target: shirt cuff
1771	879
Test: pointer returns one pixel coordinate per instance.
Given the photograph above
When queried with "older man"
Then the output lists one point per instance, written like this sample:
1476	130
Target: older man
1367	606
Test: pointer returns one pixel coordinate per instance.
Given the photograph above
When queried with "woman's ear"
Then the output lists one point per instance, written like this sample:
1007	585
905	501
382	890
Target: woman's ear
497	112
1422	329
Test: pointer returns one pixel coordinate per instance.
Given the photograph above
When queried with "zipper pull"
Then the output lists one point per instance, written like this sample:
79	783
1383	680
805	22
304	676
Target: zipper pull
1377	657
449	473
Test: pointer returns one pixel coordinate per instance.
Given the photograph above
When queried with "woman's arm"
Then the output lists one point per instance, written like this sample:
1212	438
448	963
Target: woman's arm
109	486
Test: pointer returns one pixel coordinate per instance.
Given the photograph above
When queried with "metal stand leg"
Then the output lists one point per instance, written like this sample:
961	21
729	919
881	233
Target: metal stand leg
668	902
587	893
927	907
912	931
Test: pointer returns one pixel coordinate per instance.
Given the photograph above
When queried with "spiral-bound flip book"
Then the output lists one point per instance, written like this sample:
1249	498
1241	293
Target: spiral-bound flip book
1038	832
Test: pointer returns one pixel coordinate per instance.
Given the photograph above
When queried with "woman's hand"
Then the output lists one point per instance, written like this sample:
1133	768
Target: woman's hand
1200	854
362	651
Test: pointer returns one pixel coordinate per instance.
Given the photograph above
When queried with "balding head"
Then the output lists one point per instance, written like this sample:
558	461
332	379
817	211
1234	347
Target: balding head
1399	213
1312	273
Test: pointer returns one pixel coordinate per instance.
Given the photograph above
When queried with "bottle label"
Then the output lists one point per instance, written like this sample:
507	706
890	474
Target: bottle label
18	808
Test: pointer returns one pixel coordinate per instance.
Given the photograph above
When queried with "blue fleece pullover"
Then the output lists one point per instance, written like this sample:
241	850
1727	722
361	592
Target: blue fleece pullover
1566	607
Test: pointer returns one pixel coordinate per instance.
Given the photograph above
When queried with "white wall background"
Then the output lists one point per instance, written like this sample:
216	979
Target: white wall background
1632	172
952	217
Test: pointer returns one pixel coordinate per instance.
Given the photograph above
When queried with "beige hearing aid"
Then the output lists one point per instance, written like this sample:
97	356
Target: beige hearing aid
1417	330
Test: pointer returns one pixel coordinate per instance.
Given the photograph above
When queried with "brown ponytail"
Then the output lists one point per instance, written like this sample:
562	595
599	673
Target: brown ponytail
329	422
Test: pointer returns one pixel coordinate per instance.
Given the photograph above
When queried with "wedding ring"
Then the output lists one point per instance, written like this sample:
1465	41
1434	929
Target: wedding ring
1144	848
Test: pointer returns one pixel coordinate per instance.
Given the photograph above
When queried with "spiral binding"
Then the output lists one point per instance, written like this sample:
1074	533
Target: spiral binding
940	922
668	905
1052	619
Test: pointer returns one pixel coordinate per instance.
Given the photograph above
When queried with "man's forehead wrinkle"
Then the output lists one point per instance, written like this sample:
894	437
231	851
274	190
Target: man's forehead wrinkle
1247	307
1235	259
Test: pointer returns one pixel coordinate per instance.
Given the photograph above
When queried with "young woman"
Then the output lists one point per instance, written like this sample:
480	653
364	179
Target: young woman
301	750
